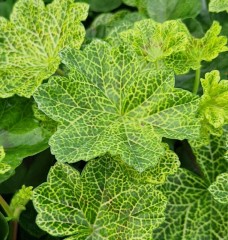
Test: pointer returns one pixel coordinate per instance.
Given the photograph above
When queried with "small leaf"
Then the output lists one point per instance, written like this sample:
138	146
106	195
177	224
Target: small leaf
218	5
102	203
4	227
32	40
117	103
20	133
219	189
192	212
214	103
19	200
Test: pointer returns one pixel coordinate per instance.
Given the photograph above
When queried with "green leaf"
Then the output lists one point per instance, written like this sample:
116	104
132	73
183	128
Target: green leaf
4	167
219	188
110	24
218	5
20	133
118	104
214	103
156	41
4	227
102	203
192	212
170	45
163	10
104	5
32	40
19	200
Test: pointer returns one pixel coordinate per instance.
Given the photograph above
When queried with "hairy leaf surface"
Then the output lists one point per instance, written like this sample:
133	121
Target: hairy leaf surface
102	203
32	40
192	211
115	102
218	5
20	133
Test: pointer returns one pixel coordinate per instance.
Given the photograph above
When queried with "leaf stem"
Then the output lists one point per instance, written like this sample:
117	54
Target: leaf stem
60	72
196	82
6	207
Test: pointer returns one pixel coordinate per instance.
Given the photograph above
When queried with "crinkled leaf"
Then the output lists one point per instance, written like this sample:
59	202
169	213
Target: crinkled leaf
20	133
163	10
32	40
214	103
170	45
192	212
206	48
102	203
219	188
104	5
218	5
19	200
156	41
114	101
167	165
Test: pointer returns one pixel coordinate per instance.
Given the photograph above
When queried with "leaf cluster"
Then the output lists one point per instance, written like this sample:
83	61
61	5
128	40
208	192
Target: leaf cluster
114	115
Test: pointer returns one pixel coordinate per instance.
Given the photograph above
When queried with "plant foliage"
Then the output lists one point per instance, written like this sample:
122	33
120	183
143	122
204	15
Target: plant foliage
113	119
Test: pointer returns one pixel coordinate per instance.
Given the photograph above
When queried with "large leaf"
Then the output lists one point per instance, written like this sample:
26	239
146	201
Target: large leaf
192	211
20	133
114	101
102	203
170	45
214	103
218	5
32	40
163	10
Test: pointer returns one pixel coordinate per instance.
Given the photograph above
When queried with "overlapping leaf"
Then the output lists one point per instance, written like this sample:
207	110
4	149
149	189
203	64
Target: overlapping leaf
114	101
170	45
219	189
32	40
218	5
20	133
110	24
163	10
192	211
214	103
102	203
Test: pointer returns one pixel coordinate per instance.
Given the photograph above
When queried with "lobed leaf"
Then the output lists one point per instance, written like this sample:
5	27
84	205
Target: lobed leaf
170	45
192	211
32	40
115	102
102	203
219	188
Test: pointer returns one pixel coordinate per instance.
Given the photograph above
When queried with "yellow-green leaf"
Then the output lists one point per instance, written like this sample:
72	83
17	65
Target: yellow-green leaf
32	40
101	203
